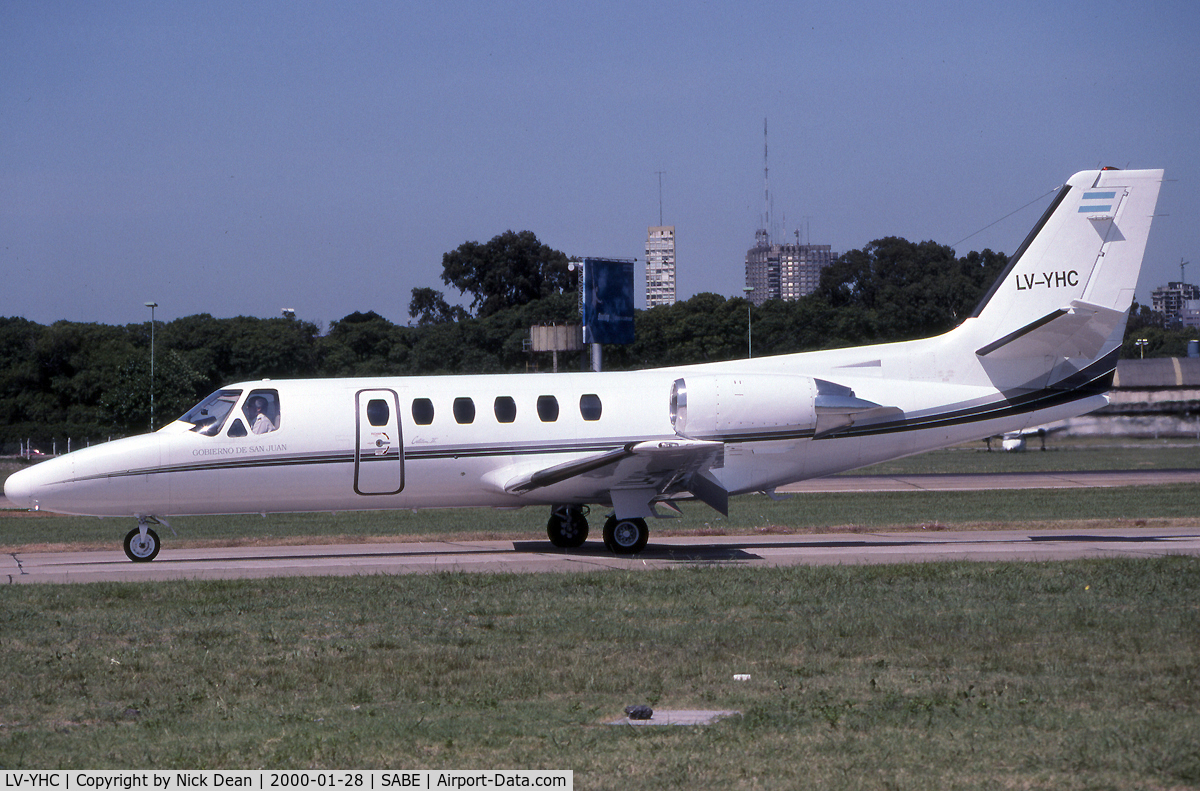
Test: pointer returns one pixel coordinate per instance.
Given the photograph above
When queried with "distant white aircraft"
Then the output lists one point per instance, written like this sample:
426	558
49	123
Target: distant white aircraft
1041	346
1014	441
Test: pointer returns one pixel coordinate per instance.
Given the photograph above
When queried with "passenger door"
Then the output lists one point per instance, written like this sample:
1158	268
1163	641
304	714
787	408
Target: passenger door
379	451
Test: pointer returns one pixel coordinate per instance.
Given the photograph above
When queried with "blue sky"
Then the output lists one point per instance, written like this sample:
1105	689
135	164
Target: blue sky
236	159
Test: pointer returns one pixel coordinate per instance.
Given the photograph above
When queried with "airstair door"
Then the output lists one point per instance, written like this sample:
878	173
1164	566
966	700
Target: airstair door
379	451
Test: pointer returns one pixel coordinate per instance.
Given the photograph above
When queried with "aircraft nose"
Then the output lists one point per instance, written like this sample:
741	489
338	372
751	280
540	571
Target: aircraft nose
18	488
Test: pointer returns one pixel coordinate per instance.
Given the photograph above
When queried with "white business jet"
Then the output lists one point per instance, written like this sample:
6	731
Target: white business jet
1042	346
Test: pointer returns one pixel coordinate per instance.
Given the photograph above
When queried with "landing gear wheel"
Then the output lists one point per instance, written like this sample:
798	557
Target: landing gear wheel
139	549
625	536
568	527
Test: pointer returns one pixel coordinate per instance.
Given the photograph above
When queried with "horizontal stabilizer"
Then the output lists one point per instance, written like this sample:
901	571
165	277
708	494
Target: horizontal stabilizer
1079	331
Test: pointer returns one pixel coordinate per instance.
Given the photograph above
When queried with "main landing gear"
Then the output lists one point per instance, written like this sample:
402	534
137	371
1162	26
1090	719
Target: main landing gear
568	526
568	529
141	543
625	536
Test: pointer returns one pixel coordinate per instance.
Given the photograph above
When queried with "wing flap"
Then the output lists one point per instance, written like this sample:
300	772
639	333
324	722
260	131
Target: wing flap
562	472
655	467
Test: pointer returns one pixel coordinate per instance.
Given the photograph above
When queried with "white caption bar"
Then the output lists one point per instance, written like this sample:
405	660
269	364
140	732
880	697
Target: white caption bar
270	780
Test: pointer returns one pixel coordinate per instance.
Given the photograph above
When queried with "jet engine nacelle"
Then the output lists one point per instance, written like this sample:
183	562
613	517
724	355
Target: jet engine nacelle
731	405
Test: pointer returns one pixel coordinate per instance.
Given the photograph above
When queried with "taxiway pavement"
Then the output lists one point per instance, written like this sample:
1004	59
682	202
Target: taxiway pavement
541	556
968	482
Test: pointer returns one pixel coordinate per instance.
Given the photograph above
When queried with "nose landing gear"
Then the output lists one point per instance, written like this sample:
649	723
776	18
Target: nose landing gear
141	543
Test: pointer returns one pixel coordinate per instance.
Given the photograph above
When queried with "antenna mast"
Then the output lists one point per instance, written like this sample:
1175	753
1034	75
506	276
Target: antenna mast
766	190
1182	264
660	175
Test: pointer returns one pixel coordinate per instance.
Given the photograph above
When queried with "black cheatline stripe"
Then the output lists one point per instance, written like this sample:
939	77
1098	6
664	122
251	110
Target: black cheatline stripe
272	461
347	457
509	450
1095	379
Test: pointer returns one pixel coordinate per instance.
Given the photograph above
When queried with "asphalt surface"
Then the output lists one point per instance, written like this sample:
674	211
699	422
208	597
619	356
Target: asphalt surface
963	482
541	556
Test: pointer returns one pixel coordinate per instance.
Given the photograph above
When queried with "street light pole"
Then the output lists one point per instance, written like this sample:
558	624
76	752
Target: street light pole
152	306
749	323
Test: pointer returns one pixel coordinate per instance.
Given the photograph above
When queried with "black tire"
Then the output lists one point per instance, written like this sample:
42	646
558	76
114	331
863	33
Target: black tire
141	551
625	536
567	528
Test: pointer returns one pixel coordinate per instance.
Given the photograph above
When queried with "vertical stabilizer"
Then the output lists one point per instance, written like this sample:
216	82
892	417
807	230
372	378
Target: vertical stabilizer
1056	316
1087	247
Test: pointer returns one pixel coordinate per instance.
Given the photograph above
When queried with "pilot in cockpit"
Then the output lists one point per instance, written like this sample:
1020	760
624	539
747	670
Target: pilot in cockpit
260	423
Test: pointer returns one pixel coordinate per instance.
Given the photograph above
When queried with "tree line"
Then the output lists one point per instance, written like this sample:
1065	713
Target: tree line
92	381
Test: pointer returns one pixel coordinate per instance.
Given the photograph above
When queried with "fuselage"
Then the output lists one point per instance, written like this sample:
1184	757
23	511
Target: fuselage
1042	346
439	441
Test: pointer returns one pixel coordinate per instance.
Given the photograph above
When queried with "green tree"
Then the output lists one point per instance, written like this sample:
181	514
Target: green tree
363	344
1161	340
705	328
125	403
804	325
512	269
428	306
906	289
243	347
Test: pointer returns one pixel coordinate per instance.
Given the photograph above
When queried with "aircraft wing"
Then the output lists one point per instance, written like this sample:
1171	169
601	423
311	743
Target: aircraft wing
656	467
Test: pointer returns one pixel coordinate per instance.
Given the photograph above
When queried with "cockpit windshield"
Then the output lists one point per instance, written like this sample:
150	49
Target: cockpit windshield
209	415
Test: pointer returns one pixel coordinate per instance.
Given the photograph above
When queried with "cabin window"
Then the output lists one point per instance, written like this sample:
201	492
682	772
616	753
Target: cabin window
238	429
506	409
464	410
547	408
590	406
209	415
262	411
378	412
422	411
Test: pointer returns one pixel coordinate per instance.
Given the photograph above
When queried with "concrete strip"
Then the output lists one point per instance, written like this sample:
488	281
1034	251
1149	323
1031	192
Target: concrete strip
945	482
540	556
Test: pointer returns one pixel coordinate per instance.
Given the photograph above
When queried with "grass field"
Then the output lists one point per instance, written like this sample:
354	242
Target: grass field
947	675
1081	674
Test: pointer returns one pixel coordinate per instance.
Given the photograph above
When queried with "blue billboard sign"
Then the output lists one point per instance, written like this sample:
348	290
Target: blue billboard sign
607	292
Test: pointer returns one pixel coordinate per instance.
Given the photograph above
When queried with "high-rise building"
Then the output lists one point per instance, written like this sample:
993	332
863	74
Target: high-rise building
1169	300
781	271
660	265
1190	315
784	271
